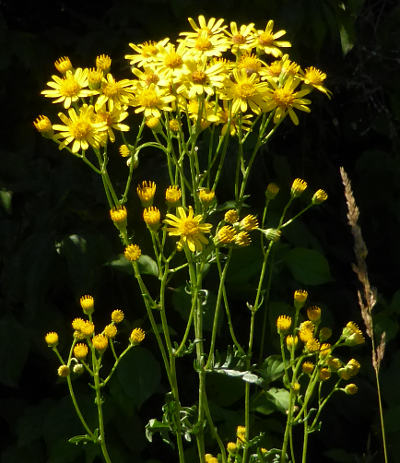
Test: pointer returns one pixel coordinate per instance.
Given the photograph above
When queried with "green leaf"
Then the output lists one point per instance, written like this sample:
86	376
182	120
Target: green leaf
5	200
139	375
272	368
308	266
147	265
275	399
83	438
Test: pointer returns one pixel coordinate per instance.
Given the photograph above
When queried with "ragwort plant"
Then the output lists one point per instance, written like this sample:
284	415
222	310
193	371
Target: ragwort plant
232	86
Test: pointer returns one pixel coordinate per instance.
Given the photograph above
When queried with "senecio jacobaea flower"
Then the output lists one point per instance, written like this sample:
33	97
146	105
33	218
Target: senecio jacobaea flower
70	88
319	197
110	331
81	350
351	389
189	228
266	40
63	64
242	239
80	129
272	234
100	342
352	335
87	304
132	252
283	324
152	216
117	316
173	195
225	235
43	126
299	298
206	196
271	191
146	191
63	371
231	216
51	339
315	78
249	223
298	187
137	336
119	216
314	313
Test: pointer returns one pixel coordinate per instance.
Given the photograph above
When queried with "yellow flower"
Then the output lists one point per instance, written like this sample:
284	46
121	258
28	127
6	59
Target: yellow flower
152	100
307	367
241	433
112	119
70	88
351	389
205	45
172	195
63	371
77	324
296	387
51	339
211	27
225	235
124	151
153	123
325	350
291	341
137	336
231	216
87	328
103	62
116	94
300	297
284	99
145	53
117	316
43	126
132	252
312	345
63	64
334	363
81	350
119	216
352	335
250	63
266	40
314	77
80	130
87	304
298	187
146	192
324	374
242	239
100	342
249	223
95	77
174	125
151	216
206	196
231	447
306	331
170	61
110	331
283	324
240	38
246	91
189	227
319	197
325	333
314	313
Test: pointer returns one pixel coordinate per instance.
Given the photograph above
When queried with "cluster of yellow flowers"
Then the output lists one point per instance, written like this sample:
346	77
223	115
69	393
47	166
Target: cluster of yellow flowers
215	74
319	354
84	330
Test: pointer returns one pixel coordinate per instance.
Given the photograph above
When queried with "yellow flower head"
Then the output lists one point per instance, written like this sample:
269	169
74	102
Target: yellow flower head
291	341
51	339
231	447
312	345
300	297
117	316
314	313
151	216
271	191
206	196
80	129
119	216
242	239
43	126
81	350
352	335
296	388
189	228
77	323
153	123
174	125
63	371
306	331
116	94
241	433
124	151
315	78
87	304
283	324
63	64
240	37
110	331
298	187
100	342
250	222
146	192
334	363
95	77
173	195
152	100
272	234
103	62
307	367
137	336
351	389
319	197
87	328
231	216
325	350
266	40
132	252
225	235
324	374
69	88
